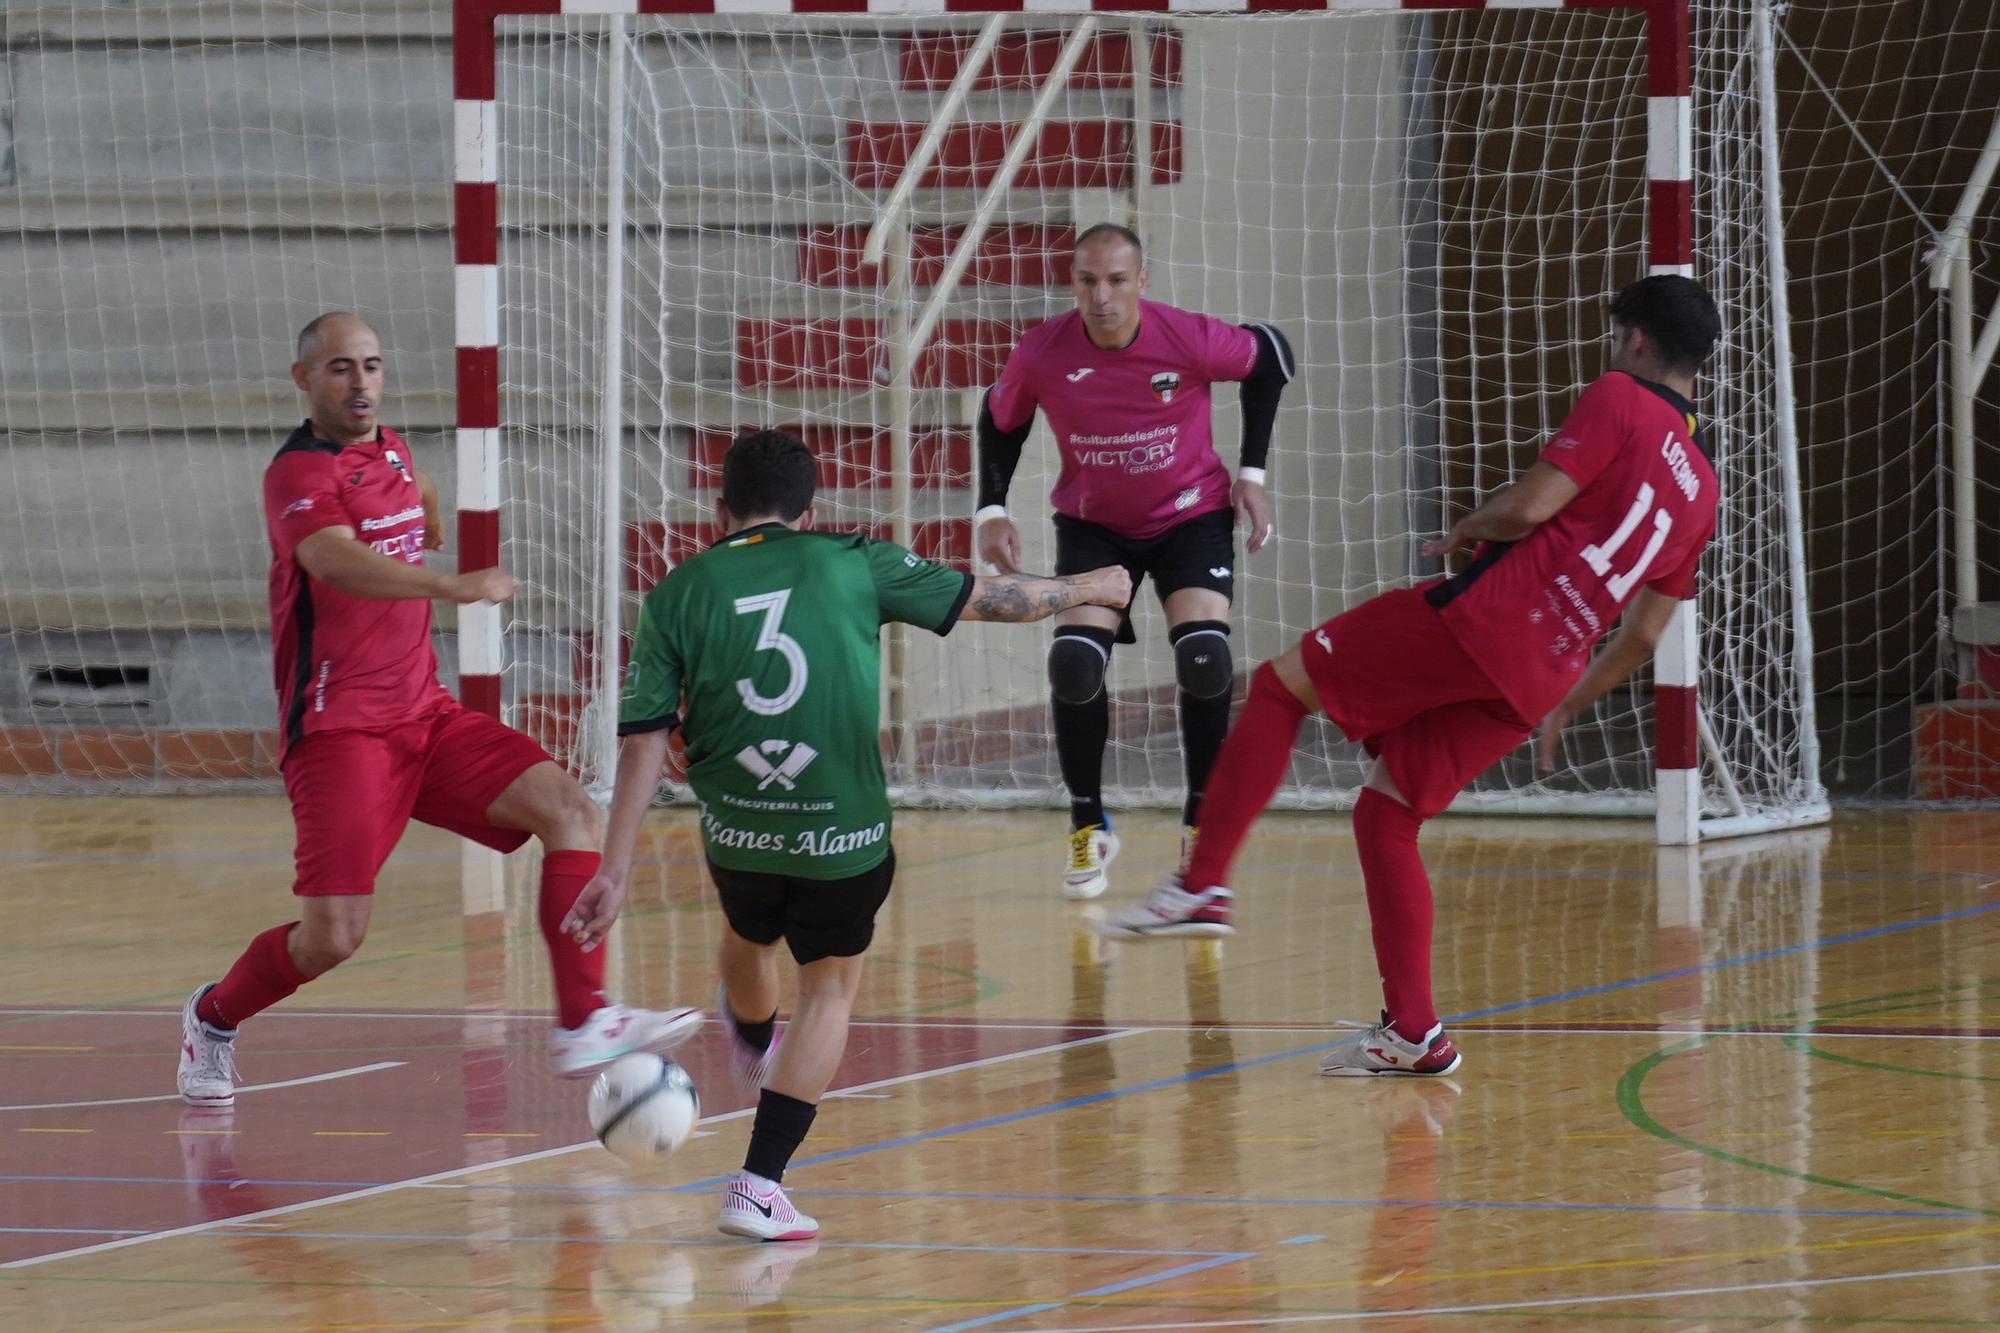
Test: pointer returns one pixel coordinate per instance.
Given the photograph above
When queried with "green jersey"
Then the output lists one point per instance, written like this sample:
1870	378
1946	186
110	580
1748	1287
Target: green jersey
765	649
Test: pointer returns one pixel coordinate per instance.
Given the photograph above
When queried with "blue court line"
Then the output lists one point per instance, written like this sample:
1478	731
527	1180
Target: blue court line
1316	1048
1302	1240
1468	1205
1111	1289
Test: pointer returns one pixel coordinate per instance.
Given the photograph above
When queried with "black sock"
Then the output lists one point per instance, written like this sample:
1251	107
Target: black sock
1204	722
1081	733
756	1035
775	1135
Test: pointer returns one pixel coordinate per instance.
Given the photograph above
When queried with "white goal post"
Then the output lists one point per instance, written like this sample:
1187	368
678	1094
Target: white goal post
663	217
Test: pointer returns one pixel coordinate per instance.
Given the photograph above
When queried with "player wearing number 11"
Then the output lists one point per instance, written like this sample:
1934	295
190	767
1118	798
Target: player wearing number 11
1439	681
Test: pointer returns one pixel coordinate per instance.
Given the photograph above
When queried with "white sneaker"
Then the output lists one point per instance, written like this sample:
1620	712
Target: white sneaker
616	1030
1172	911
208	1058
760	1277
1090	853
1382	1050
749	1067
762	1212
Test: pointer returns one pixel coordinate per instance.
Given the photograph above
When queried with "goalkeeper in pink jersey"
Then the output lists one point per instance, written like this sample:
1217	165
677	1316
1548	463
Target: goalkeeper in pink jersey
1124	383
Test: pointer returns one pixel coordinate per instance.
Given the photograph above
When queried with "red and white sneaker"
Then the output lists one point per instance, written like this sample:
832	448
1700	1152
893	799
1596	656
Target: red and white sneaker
749	1066
207	1075
616	1030
755	1207
1171	911
1381	1051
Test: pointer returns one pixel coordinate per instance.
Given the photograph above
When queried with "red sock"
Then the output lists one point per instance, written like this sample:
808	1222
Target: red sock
579	975
1253	762
1399	909
264	975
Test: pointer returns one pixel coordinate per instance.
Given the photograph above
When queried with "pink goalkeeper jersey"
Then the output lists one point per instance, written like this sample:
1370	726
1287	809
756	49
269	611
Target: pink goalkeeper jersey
1138	455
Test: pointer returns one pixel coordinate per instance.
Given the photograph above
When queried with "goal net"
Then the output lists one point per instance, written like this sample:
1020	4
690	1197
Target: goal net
1435	207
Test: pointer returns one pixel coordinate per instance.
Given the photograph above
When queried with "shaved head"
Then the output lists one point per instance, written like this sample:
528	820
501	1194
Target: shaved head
327	326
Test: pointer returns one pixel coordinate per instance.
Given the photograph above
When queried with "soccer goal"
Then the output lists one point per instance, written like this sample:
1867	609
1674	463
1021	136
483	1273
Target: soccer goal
679	225
674	226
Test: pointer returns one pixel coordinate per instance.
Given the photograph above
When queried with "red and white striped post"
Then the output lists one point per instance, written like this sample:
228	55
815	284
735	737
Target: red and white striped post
1670	249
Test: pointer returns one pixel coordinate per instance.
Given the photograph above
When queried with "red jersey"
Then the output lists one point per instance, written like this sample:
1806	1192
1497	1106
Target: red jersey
1132	422
1529	611
344	662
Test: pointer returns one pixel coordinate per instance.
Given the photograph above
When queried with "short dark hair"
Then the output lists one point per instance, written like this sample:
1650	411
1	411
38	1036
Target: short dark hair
1677	313
768	473
1123	233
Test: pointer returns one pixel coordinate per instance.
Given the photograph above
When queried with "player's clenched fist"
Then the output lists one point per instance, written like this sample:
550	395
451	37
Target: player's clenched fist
1109	586
483	585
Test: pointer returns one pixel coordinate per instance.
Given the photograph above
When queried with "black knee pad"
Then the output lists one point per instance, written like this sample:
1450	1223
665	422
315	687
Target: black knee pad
1201	658
1077	660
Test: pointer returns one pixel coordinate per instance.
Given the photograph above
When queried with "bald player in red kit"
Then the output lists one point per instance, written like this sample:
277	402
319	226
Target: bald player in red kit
1439	681
368	737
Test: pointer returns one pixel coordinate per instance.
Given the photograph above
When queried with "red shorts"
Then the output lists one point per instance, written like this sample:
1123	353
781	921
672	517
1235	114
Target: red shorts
1390	675
354	792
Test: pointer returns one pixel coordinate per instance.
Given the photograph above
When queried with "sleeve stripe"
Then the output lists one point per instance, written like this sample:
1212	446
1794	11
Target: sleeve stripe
1270	335
957	607
649	725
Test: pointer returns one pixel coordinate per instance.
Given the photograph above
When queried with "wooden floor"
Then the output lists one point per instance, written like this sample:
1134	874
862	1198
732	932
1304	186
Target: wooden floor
1753	1086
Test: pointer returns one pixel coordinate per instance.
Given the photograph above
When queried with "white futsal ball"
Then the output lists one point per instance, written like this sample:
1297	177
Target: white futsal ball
643	1107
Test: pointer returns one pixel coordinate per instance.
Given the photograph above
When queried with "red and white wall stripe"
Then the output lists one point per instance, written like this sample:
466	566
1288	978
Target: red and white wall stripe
1670	245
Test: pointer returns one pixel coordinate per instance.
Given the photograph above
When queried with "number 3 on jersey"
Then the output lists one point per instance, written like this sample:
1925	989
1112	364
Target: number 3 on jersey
1599	557
772	639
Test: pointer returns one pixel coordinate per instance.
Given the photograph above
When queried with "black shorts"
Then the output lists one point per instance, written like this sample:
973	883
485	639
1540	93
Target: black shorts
818	918
1199	553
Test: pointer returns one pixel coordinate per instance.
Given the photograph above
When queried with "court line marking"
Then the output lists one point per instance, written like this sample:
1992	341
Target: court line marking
1492	1307
252	1087
1512	1006
1110	1289
1506	1205
916	1076
1720	1028
672	1242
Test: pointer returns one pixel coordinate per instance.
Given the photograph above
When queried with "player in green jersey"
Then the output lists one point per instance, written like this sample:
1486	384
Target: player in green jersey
765	651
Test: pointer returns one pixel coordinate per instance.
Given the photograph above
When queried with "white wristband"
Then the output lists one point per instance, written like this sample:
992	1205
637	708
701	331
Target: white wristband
1255	474
988	513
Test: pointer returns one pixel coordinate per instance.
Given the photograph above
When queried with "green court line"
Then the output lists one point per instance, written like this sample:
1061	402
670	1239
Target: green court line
1631	1103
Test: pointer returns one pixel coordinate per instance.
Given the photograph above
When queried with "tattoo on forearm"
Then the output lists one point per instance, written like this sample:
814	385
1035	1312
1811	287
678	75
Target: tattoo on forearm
1020	597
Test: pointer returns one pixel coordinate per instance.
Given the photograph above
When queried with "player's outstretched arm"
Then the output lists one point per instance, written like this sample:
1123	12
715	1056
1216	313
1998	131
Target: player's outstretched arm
1024	597
1512	512
1638	633
338	559
640	759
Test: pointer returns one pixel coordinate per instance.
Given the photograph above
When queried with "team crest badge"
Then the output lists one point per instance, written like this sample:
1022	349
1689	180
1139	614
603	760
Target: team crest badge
1166	385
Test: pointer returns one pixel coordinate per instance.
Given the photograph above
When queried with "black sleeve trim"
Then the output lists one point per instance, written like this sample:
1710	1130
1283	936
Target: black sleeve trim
649	725
957	608
999	453
1261	388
